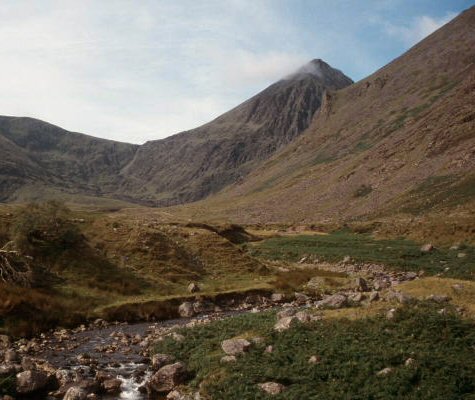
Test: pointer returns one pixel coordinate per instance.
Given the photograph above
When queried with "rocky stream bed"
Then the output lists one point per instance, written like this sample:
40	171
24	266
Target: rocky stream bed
114	360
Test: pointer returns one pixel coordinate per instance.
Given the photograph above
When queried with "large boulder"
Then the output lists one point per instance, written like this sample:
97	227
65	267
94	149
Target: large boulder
334	301
167	378
186	310
28	382
112	386
234	347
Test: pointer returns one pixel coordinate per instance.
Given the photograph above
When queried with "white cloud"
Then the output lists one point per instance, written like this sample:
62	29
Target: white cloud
137	71
419	28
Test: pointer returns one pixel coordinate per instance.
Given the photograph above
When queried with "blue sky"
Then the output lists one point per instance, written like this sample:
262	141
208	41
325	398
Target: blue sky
139	70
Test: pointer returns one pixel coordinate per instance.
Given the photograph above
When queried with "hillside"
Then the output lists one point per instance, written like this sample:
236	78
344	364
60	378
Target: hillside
399	141
191	165
40	160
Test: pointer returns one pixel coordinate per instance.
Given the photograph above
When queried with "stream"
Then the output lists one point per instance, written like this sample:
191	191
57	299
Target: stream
116	349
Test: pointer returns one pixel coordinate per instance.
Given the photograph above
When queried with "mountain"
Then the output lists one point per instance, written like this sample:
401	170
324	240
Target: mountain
193	164
41	160
399	141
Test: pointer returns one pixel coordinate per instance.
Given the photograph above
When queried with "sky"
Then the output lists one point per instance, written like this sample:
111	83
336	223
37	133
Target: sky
138	70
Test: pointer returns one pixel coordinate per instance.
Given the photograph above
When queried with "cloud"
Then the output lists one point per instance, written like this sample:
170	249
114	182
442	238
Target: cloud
136	71
418	29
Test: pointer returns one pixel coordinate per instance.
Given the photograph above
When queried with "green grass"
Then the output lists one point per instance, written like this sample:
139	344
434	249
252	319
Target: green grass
351	353
399	254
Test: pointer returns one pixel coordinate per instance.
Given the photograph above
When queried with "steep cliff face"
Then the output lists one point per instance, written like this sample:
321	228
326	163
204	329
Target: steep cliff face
191	165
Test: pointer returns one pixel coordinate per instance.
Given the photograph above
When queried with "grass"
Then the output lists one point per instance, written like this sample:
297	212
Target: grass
439	191
351	354
398	254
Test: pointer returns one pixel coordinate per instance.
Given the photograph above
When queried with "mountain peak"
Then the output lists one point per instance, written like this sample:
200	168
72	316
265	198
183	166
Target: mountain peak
329	76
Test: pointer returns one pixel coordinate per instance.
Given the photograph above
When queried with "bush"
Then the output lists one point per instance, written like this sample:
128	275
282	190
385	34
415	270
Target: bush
44	229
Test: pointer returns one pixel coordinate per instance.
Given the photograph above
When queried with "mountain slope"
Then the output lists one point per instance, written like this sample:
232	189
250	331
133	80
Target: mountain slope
191	165
35	154
378	146
40	160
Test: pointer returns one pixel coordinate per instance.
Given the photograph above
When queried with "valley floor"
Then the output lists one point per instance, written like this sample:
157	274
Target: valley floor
322	312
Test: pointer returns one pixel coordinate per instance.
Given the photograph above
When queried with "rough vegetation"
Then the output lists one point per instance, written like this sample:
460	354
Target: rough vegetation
457	261
348	357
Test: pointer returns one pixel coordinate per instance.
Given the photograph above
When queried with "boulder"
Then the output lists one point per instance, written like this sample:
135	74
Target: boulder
167	378
9	369
277	297
303	316
438	298
361	285
427	248
391	314
75	393
186	310
286	312
11	356
334	301
301	298
4	342
314	360
64	376
285	323
357	297
28	382
374	296
193	287
315	283
159	360
271	388
176	395
112	386
234	347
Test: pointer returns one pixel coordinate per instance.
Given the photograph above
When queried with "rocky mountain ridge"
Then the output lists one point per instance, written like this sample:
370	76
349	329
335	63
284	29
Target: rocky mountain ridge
40	160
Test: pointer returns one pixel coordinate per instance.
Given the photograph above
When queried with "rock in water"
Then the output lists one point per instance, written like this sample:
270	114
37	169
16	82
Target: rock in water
75	393
30	382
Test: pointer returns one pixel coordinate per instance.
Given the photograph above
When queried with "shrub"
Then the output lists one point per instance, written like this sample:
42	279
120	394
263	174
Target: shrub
44	229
